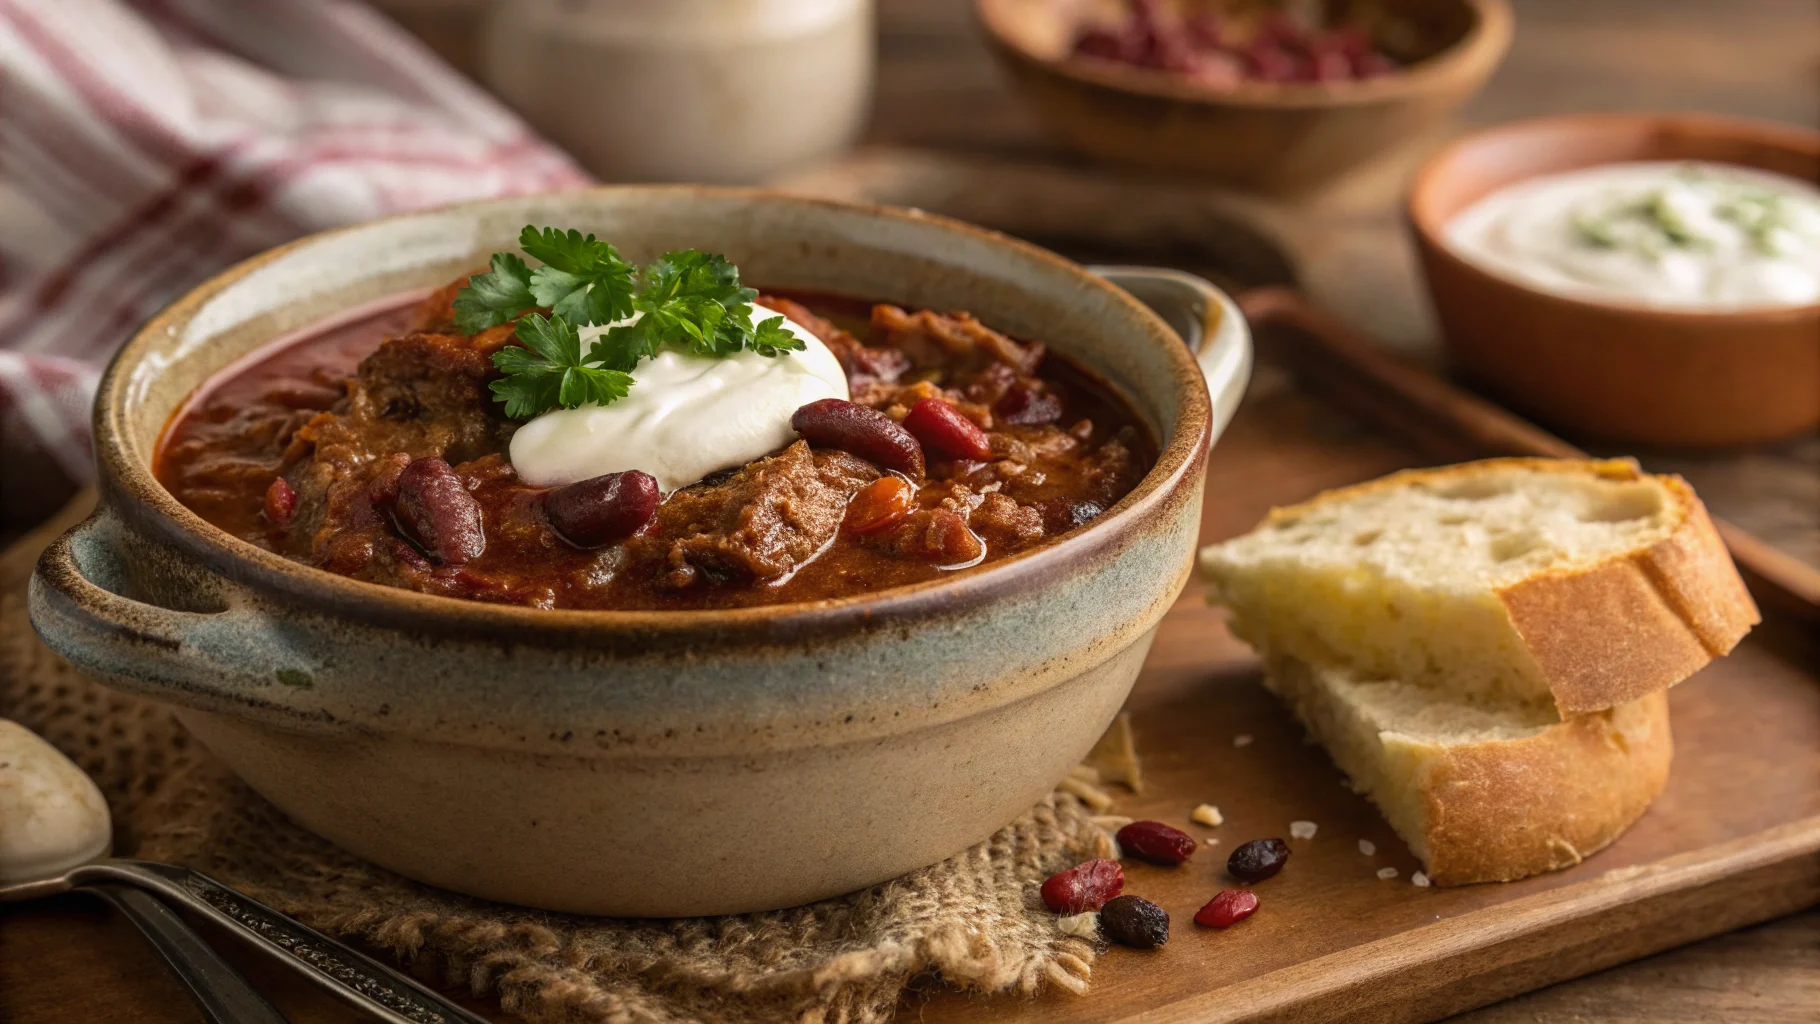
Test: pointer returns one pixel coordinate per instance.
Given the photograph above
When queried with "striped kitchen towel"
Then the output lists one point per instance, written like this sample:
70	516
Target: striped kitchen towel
145	144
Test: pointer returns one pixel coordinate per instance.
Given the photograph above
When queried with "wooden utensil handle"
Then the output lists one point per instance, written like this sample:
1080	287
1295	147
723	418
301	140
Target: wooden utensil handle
1362	377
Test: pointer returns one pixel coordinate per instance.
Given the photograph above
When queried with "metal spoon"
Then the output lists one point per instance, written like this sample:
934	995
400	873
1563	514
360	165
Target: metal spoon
54	837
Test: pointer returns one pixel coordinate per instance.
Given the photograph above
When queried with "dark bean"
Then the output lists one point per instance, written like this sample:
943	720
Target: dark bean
1135	921
1025	405
939	425
1258	860
602	510
435	510
867	433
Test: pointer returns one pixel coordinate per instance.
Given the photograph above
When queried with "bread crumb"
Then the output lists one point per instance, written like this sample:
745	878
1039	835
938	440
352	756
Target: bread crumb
1206	814
1302	829
1419	880
1367	847
1242	740
1091	795
1387	872
1085	926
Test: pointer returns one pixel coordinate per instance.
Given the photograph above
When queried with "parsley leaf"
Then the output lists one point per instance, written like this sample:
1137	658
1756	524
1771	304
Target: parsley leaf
696	274
772	338
583	280
687	300
490	299
549	372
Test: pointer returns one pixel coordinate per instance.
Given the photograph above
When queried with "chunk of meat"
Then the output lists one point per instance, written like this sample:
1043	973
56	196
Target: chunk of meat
429	391
944	339
939	533
418	395
758	524
1113	469
1005	525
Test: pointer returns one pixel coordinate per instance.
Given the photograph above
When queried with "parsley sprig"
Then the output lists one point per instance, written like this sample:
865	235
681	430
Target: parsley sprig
686	300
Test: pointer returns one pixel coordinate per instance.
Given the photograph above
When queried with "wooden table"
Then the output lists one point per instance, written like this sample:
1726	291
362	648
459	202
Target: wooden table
69	960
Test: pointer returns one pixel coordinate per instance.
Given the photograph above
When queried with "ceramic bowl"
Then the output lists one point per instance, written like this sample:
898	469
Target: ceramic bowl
1609	371
646	763
686	90
1279	138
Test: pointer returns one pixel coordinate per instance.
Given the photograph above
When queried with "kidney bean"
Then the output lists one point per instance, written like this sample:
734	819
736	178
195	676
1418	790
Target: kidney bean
1156	842
280	502
867	433
1086	886
1025	405
435	510
883	502
939	425
1228	908
602	510
1257	860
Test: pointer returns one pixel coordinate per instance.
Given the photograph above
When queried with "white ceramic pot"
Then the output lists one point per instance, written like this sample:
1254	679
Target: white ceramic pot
686	90
639	762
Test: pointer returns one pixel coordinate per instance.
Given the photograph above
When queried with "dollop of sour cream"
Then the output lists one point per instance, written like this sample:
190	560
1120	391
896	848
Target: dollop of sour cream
1690	235
685	416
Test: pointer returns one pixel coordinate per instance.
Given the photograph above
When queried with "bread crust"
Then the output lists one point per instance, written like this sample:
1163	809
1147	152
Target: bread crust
1499	810
1612	632
1608	633
1507	809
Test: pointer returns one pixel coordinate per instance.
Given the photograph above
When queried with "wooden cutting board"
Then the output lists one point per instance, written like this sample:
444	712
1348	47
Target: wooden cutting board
1734	839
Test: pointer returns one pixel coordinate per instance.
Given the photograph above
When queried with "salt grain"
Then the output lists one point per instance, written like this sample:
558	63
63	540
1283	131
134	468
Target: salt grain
1086	926
1206	814
1302	829
1242	740
1419	880
1367	847
1387	872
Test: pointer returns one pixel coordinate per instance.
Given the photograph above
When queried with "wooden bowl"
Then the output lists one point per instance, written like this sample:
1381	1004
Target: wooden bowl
1604	370
1280	138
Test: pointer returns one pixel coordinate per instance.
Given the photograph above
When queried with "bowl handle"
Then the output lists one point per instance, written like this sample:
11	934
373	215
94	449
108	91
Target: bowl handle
78	608
1206	318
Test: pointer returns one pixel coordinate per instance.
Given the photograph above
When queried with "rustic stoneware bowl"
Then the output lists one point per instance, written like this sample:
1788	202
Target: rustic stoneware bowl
646	763
1601	369
1279	138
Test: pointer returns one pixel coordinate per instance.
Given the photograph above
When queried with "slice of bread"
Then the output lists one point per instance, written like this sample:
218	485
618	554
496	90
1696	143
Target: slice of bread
1588	584
1484	791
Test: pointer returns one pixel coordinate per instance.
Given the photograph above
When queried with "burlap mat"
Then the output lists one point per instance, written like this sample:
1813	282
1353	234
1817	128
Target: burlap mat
974	921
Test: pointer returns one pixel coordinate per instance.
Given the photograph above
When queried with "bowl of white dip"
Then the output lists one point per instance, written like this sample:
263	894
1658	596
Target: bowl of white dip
1632	277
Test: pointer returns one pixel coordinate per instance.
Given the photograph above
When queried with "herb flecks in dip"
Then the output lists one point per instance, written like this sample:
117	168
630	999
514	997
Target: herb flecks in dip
379	450
1694	236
